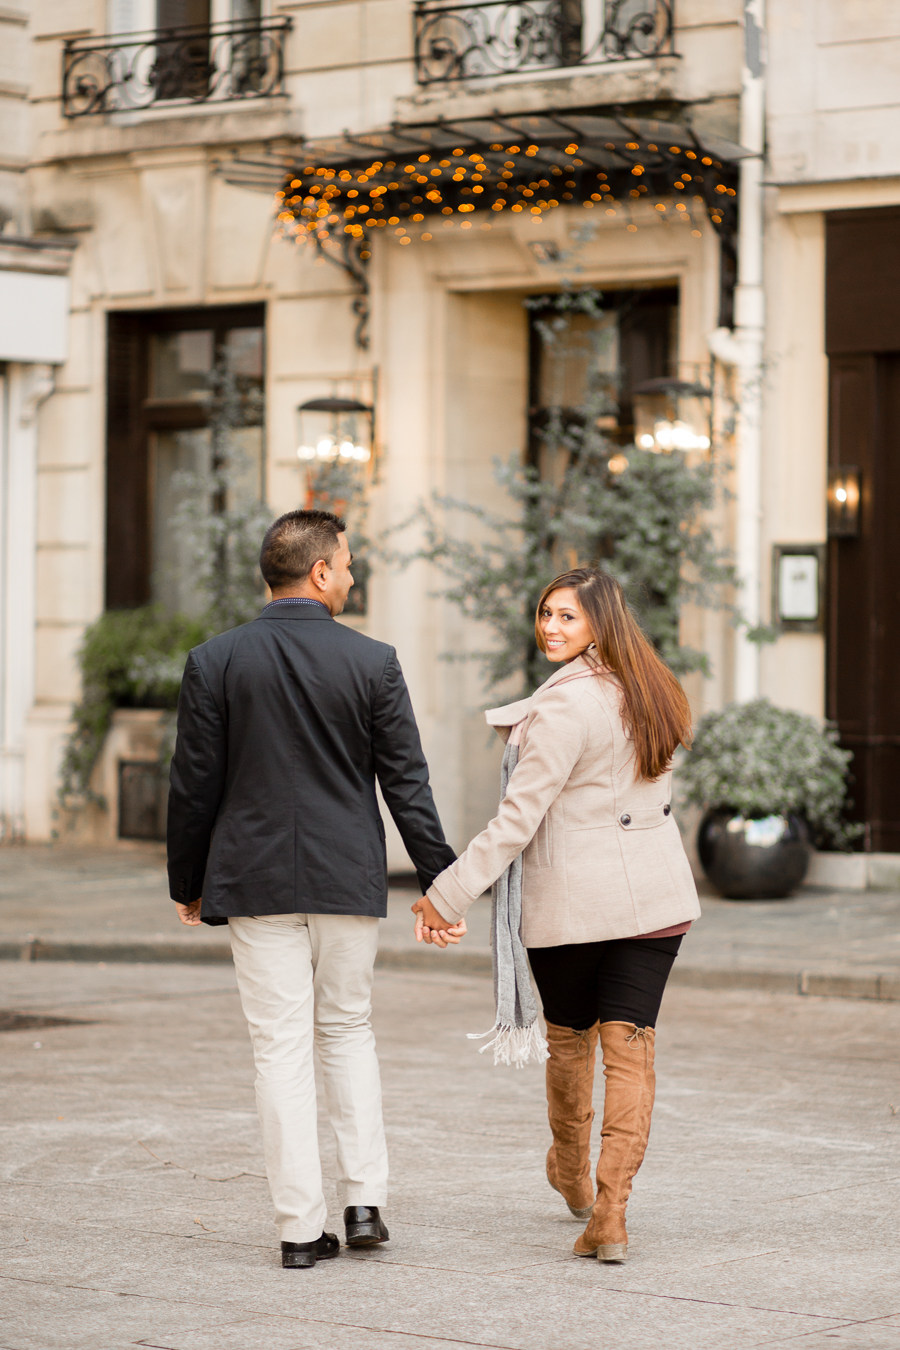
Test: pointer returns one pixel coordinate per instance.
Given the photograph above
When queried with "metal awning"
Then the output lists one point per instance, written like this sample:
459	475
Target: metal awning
405	176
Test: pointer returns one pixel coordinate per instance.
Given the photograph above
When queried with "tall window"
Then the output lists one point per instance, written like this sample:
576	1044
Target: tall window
170	374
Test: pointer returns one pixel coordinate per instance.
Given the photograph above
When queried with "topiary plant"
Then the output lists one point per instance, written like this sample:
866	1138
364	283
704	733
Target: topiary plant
760	760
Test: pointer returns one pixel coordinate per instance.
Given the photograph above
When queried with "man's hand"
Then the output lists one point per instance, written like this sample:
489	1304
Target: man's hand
432	927
189	914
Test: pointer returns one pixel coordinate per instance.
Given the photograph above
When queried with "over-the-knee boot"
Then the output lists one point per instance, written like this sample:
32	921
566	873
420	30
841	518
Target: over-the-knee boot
570	1091
630	1087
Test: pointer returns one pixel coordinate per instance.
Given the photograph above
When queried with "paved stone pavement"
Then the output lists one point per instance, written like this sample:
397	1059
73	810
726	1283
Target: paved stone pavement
113	905
134	1212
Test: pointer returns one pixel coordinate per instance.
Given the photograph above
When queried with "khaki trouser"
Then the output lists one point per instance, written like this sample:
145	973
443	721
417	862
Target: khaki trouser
306	980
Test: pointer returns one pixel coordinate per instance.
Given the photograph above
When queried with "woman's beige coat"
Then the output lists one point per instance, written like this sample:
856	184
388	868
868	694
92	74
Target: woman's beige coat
603	857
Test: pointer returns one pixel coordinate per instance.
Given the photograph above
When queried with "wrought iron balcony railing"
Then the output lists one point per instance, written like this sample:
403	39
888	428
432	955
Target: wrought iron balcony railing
501	37
212	63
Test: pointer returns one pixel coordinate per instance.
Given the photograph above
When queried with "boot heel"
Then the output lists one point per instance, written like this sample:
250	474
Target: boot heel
582	1214
612	1251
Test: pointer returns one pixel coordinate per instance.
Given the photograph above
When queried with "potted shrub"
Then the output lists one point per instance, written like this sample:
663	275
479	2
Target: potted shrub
774	785
131	665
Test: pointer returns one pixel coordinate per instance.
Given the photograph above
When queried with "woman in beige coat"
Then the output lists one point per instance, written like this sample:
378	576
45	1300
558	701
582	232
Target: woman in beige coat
607	893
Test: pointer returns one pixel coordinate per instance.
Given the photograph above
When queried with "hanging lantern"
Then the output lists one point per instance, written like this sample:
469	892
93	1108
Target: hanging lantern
668	436
335	429
664	419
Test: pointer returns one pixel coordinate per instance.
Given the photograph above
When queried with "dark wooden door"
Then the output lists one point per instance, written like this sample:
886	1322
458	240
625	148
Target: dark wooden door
864	628
863	671
127	516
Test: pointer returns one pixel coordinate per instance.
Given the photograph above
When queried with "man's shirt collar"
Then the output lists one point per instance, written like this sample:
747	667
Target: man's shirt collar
296	600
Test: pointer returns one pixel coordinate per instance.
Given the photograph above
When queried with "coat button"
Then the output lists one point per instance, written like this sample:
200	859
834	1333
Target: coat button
626	820
666	809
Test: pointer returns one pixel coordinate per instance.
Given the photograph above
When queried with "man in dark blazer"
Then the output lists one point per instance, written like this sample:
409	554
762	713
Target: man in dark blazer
284	725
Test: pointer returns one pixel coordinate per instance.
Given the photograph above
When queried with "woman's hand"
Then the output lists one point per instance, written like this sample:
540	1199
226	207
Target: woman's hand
432	927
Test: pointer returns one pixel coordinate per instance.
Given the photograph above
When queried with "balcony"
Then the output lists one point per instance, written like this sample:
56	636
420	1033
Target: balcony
172	67
503	37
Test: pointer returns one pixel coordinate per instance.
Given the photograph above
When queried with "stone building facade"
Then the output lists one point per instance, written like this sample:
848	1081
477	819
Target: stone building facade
128	185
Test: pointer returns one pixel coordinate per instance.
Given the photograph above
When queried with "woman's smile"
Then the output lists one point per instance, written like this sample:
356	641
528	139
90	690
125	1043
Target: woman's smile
564	628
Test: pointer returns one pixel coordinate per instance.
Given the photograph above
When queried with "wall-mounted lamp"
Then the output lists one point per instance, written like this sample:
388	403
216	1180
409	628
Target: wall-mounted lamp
843	501
335	428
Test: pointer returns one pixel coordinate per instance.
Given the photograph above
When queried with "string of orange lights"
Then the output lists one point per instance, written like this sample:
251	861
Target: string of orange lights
568	162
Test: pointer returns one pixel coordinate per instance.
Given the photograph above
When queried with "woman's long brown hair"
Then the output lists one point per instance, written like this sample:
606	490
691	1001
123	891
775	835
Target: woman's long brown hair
655	709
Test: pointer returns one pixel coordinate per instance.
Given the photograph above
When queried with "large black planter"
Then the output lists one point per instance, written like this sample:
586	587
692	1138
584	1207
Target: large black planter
753	859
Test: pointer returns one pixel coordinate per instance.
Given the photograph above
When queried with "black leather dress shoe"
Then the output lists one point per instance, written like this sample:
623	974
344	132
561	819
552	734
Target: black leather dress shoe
302	1255
364	1226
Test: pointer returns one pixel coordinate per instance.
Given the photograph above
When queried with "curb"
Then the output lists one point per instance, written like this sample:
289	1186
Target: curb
885	988
37	949
463	963
218	953
806	983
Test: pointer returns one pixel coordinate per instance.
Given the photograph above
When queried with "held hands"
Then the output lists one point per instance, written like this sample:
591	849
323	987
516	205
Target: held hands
189	914
432	927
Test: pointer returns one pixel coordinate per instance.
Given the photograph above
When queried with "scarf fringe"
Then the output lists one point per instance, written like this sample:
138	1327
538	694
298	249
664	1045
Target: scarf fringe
514	1045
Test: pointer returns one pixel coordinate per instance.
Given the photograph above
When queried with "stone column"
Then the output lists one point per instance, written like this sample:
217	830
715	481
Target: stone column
25	386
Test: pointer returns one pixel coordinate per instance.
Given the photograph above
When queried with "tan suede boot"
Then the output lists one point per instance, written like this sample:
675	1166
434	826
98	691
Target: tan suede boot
570	1092
630	1088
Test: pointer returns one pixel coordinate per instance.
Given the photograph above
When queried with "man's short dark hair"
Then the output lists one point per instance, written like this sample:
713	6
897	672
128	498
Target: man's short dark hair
295	543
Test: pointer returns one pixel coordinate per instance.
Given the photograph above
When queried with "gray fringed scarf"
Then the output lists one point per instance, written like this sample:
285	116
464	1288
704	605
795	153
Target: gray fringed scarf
517	1035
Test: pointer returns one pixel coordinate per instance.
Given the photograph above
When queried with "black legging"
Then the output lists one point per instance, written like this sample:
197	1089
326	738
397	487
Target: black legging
622	981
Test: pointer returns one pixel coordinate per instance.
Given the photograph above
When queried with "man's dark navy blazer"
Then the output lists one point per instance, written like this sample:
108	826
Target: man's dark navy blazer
283	726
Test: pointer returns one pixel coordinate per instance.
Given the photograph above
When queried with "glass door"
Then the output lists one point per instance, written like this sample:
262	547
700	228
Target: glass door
197	471
185	441
589	364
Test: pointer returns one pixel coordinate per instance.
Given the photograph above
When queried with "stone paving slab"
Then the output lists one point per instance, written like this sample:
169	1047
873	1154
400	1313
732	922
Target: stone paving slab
112	906
133	1209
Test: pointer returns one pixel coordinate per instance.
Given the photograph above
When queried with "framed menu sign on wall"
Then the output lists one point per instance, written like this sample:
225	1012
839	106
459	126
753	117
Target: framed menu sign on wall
798	587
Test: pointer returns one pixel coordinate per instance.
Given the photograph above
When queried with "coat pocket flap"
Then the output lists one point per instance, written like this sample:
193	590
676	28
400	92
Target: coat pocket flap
644	818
